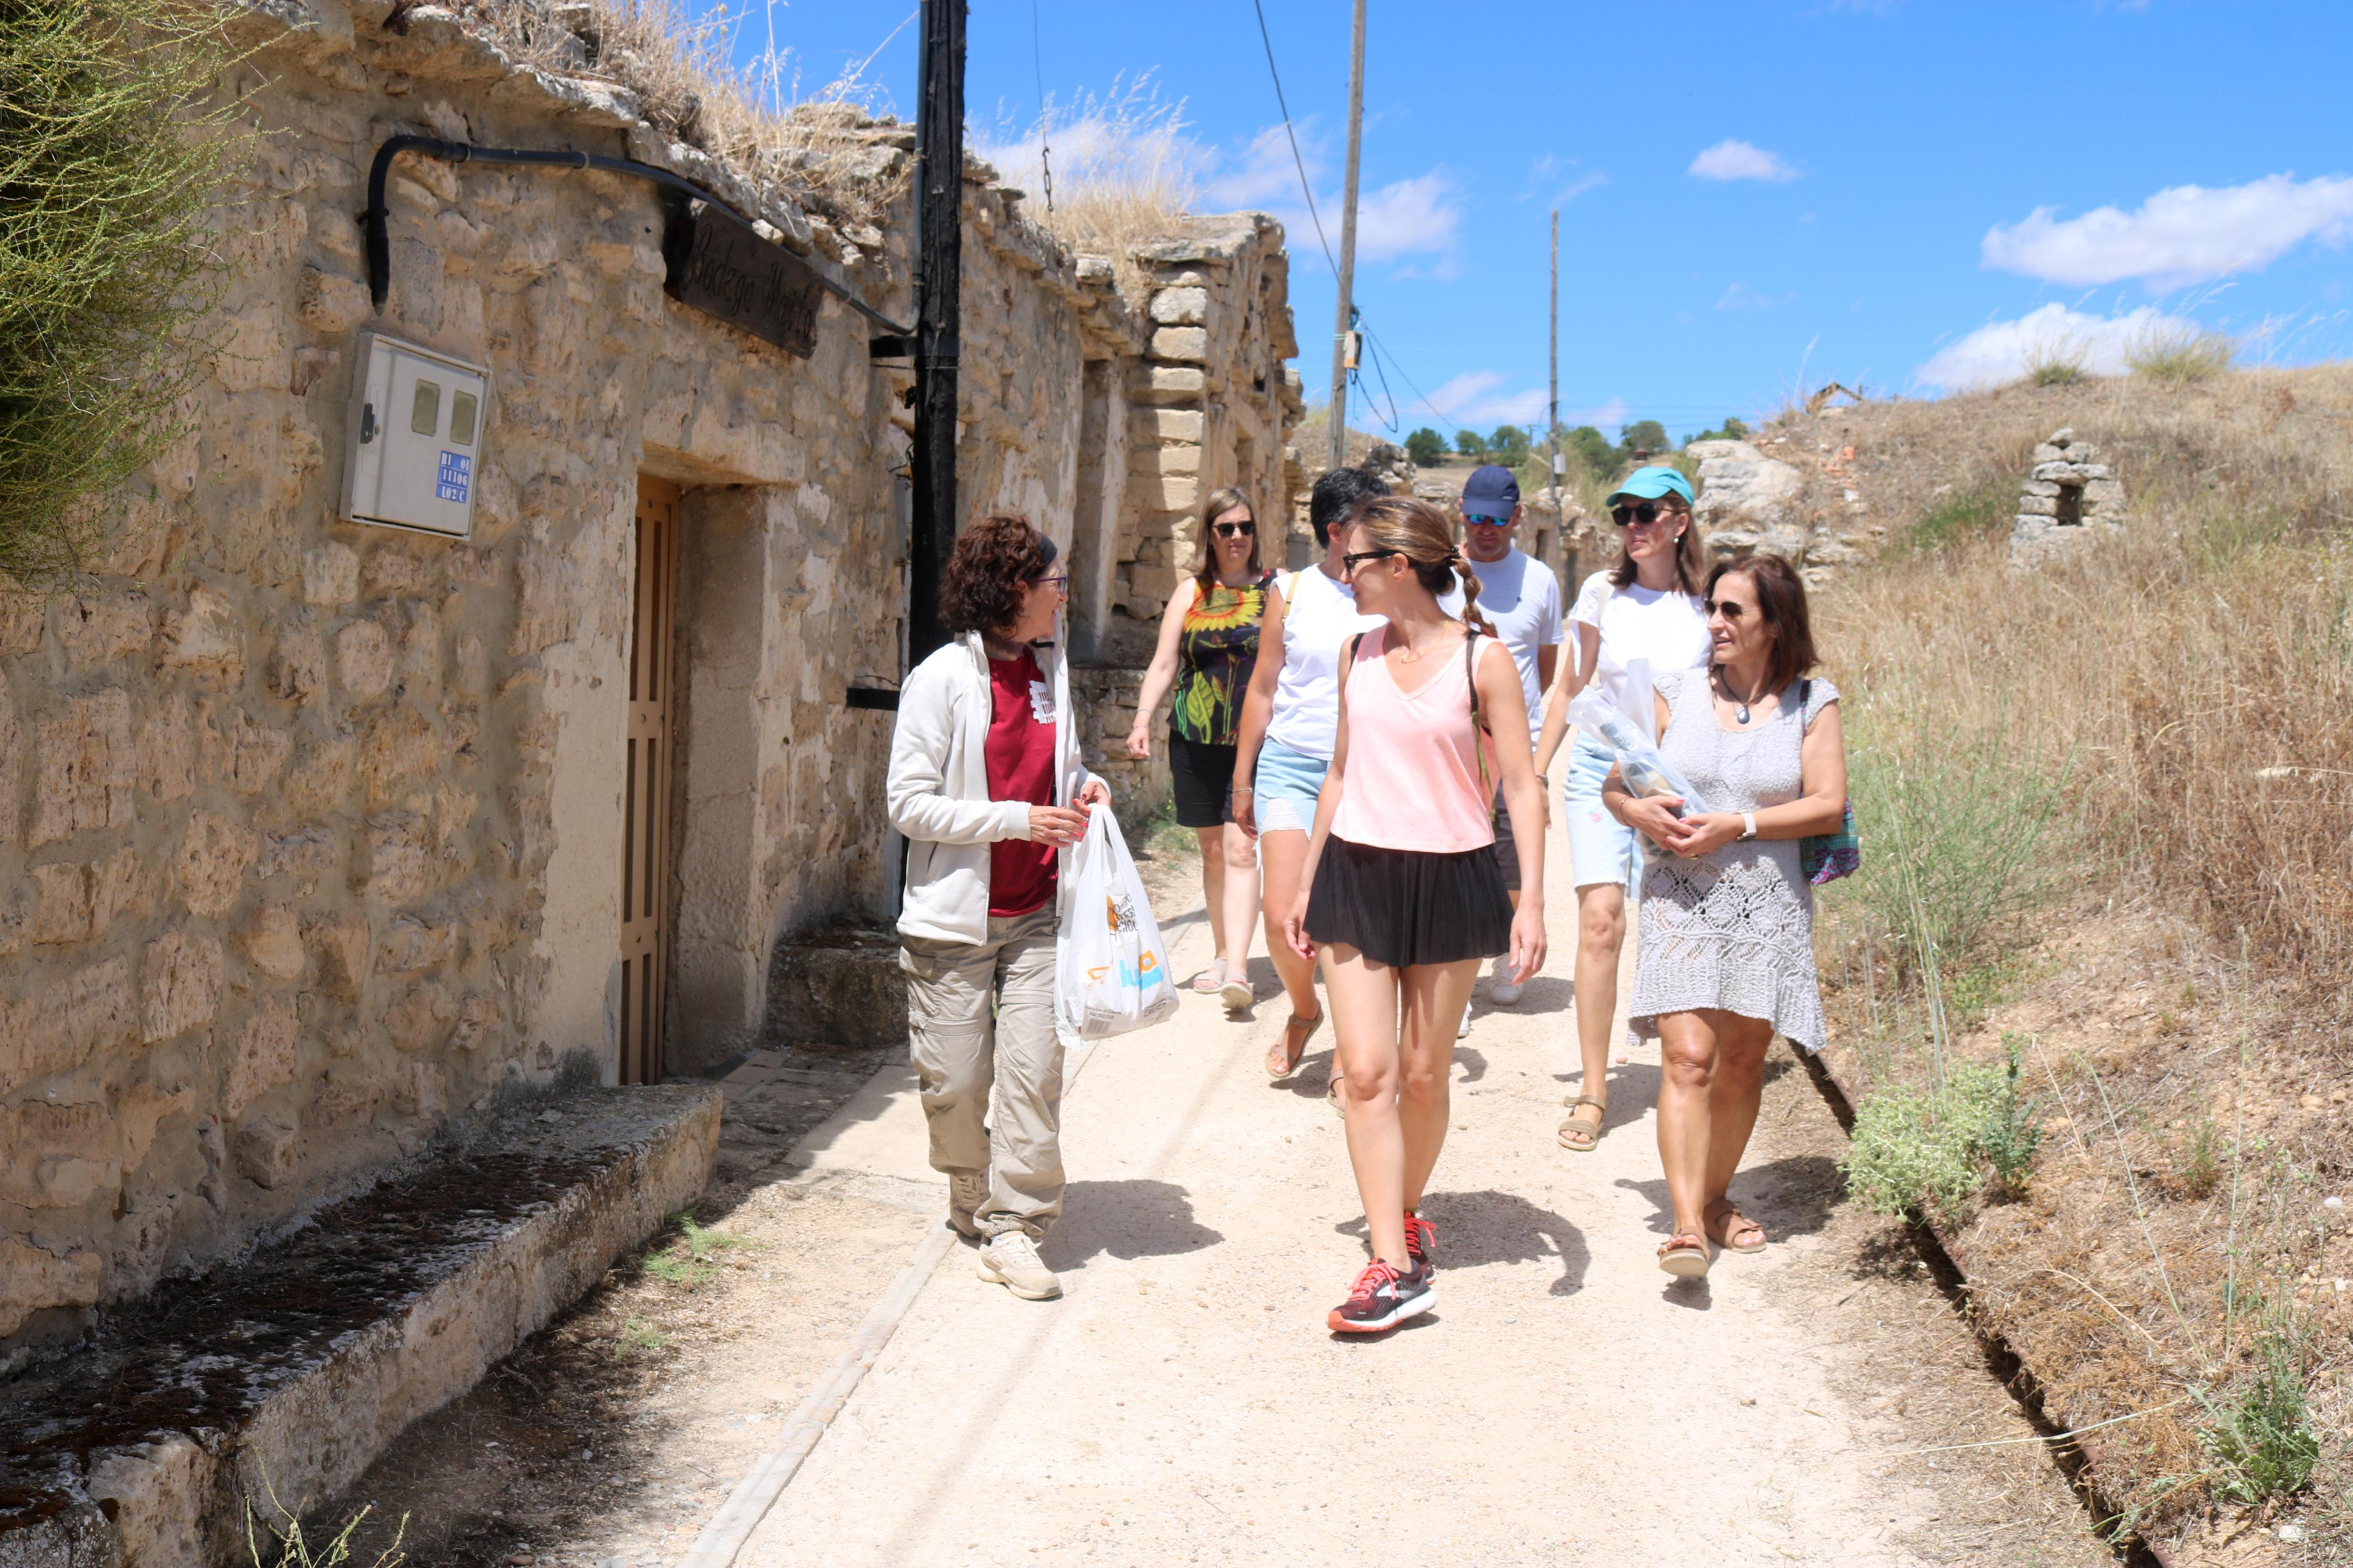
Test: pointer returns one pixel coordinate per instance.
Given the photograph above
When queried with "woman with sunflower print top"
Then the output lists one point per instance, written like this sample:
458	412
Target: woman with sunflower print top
1208	646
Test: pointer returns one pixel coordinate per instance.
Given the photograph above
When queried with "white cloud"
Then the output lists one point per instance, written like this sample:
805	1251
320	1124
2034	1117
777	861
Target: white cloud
1477	399
2002	351
1578	188
1420	217
1732	159
2182	235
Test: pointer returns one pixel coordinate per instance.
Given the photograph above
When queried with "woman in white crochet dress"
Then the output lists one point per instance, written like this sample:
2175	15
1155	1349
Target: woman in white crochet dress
1727	954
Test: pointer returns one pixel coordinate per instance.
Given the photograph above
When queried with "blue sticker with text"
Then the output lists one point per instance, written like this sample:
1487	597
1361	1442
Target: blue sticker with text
457	472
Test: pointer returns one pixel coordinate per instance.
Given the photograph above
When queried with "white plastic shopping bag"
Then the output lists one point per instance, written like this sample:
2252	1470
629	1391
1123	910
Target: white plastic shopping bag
1113	972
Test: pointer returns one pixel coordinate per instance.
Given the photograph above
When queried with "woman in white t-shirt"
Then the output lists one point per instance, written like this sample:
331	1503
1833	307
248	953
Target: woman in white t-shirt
1632	623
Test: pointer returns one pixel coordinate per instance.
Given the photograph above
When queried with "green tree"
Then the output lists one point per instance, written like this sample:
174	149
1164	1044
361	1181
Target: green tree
1425	446
1508	445
1590	449
1732	430
1642	435
1469	443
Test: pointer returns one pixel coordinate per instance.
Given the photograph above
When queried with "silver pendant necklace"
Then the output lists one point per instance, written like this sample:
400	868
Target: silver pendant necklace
1740	712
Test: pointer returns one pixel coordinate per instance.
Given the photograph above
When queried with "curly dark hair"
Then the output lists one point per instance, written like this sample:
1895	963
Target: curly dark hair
994	561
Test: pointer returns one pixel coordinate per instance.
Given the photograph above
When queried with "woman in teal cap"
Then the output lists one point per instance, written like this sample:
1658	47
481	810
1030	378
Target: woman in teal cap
1633	621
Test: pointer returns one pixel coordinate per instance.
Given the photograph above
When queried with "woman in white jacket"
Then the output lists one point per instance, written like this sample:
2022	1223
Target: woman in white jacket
986	785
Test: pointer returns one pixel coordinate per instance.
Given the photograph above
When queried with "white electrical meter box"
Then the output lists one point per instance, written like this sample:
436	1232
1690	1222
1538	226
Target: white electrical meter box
414	454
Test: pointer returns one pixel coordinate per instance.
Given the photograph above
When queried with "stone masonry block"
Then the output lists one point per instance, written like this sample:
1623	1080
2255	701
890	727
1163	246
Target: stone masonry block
58	1156
419	1016
263	1150
297	665
344	945
265	1056
271	942
1180	306
2038	506
1165	424
1175	459
1181	345
364	658
1163	492
202	638
65	1023
330	304
255	753
396	857
331	575
1164	383
100	628
87	765
167	749
209	869
32	1277
179	984
413	945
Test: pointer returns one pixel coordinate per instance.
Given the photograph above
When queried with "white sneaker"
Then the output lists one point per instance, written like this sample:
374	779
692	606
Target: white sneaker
967	1190
1500	990
1012	1259
1463	1030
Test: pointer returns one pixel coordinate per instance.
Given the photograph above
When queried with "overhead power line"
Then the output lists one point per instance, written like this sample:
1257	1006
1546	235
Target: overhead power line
1297	162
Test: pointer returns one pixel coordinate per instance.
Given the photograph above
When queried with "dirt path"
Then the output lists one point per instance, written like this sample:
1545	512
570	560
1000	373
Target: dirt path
1564	1401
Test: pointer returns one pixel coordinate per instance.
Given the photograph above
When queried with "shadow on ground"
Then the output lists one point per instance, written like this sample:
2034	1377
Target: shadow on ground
1126	1220
1477	1229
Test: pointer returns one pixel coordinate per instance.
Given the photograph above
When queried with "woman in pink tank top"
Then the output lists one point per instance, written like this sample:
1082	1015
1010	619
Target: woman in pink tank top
1402	891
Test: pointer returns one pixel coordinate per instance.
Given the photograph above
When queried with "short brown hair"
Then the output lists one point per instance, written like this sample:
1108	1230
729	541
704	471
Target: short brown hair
1781	600
992	566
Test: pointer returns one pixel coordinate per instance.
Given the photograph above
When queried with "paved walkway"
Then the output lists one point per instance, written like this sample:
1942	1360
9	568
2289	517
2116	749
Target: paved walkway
1565	1401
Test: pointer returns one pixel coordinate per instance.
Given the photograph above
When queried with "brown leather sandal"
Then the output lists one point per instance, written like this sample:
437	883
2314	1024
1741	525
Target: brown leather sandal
1684	1256
1288	1054
1577	1127
1733	1223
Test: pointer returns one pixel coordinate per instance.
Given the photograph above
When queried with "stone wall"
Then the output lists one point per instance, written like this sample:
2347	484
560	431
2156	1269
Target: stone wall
2069	493
309	831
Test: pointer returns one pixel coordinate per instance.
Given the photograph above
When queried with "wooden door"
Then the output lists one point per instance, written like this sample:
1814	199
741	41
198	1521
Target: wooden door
645	821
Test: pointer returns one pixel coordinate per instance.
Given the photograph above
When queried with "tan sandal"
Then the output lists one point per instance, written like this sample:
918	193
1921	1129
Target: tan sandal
1684	1256
1734	1222
1333	1096
1291	1055
1577	1126
1208	981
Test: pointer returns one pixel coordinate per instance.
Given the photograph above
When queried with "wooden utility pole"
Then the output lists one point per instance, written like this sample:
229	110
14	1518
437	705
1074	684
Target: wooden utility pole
1345	323
939	199
1552	379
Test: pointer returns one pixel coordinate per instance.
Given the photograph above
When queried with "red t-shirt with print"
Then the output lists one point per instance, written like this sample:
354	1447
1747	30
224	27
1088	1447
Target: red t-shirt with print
1020	767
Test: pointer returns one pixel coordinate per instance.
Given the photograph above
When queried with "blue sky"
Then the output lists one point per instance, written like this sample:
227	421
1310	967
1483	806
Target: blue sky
1903	193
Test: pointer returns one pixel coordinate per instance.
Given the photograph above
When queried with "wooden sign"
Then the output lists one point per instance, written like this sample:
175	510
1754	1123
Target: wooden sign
720	266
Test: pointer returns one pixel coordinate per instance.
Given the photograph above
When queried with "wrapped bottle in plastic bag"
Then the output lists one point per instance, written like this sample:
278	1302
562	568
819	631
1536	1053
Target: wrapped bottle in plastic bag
1110	966
1646	772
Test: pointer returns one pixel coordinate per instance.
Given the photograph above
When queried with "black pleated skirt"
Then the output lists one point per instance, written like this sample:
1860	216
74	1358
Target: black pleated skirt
1401	907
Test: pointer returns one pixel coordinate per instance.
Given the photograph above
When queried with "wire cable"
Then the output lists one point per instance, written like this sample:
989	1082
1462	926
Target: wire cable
1297	162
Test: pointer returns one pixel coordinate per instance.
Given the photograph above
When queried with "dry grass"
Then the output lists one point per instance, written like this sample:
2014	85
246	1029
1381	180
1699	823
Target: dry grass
2181	355
2174	952
1120	171
816	148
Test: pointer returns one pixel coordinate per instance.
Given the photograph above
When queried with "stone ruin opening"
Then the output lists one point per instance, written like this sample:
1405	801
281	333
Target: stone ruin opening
2071	505
2068	493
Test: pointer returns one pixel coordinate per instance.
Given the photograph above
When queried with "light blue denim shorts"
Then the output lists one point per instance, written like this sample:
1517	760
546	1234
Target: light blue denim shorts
1284	788
1600	848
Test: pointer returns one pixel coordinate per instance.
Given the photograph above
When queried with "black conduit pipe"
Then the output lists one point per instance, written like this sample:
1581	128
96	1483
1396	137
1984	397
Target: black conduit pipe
379	231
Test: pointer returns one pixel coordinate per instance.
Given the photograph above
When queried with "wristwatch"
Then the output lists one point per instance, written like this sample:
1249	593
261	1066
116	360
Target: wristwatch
1747	824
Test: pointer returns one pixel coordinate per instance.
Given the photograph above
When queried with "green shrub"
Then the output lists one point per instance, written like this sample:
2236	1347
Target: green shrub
2262	1443
1934	1150
2200	1170
1425	446
107	176
1958	837
289	1546
1964	515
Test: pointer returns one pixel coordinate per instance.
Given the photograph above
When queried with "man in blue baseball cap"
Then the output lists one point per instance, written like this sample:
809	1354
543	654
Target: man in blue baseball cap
1522	599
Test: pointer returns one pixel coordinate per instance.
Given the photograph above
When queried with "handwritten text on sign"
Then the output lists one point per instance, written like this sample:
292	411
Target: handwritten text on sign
719	266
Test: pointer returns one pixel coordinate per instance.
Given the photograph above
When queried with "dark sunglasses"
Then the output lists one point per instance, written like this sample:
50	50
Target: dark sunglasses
1646	512
1730	609
1233	530
1481	520
1348	562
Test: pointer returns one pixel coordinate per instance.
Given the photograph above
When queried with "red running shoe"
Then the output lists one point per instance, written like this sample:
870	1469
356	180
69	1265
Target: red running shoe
1420	1236
1382	1299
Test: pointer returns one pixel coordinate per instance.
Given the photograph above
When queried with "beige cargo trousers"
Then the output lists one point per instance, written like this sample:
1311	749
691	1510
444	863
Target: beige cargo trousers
981	1015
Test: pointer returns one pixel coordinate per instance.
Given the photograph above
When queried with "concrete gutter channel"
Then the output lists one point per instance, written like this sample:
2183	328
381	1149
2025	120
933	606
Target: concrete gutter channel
2078	1459
295	1367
